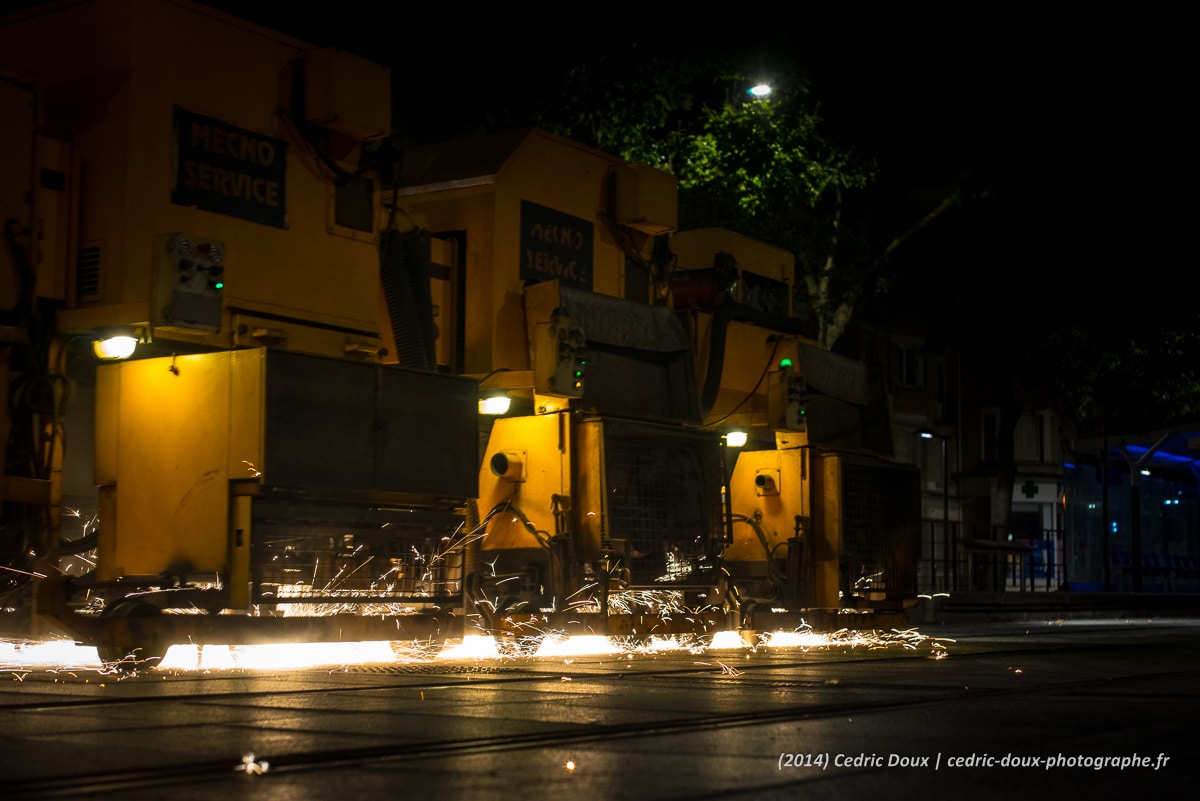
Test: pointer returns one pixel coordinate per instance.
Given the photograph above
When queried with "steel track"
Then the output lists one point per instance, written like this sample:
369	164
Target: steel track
174	775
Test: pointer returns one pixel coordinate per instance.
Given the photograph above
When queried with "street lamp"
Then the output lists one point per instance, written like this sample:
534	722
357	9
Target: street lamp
926	433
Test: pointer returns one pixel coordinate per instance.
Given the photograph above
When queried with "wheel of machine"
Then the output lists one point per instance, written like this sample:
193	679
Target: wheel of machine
128	647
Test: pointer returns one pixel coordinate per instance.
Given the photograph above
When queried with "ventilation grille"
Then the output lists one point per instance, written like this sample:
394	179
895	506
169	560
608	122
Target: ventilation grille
880	527
87	274
663	497
332	554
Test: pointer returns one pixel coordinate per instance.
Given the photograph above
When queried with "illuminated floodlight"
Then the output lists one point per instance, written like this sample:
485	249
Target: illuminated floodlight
495	405
736	439
121	346
760	90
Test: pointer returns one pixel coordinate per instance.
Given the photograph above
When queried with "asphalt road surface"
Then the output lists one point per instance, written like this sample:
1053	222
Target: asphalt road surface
1034	710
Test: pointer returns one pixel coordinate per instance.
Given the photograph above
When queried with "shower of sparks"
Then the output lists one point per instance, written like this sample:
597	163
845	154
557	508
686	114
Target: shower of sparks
277	656
473	646
64	656
252	766
60	654
578	645
727	640
659	645
22	572
655	645
806	638
663	603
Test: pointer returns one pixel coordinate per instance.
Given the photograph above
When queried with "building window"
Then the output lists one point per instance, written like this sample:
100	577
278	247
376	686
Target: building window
991	426
910	366
1030	438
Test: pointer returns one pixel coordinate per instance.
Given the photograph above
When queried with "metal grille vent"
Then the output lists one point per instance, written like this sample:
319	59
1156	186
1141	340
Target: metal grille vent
87	273
309	553
880	526
662	490
338	567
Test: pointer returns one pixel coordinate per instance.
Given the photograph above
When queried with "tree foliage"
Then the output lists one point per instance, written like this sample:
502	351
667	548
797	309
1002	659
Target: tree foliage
762	167
1133	378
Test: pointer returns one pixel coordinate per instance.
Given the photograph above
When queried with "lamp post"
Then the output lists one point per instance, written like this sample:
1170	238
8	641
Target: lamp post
925	433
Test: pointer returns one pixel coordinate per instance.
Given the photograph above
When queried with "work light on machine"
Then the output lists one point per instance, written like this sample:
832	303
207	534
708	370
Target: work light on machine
736	438
495	403
114	345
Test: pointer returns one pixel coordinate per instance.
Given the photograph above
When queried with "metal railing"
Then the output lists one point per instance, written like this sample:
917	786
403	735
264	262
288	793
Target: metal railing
960	558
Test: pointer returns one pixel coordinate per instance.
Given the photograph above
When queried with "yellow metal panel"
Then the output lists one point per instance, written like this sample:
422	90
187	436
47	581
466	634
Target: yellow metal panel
775	510
172	476
247	411
750	351
302	270
552	172
542	444
646	199
695	250
252	331
590	508
827	477
341	93
114	71
564	176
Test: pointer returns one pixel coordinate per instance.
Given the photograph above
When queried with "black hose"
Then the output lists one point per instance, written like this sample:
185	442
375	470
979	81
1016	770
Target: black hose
404	273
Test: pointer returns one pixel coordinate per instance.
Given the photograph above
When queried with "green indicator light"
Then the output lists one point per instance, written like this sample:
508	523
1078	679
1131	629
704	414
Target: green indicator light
785	363
220	285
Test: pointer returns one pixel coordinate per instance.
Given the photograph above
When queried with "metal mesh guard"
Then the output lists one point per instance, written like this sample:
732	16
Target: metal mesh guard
880	526
353	562
663	493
